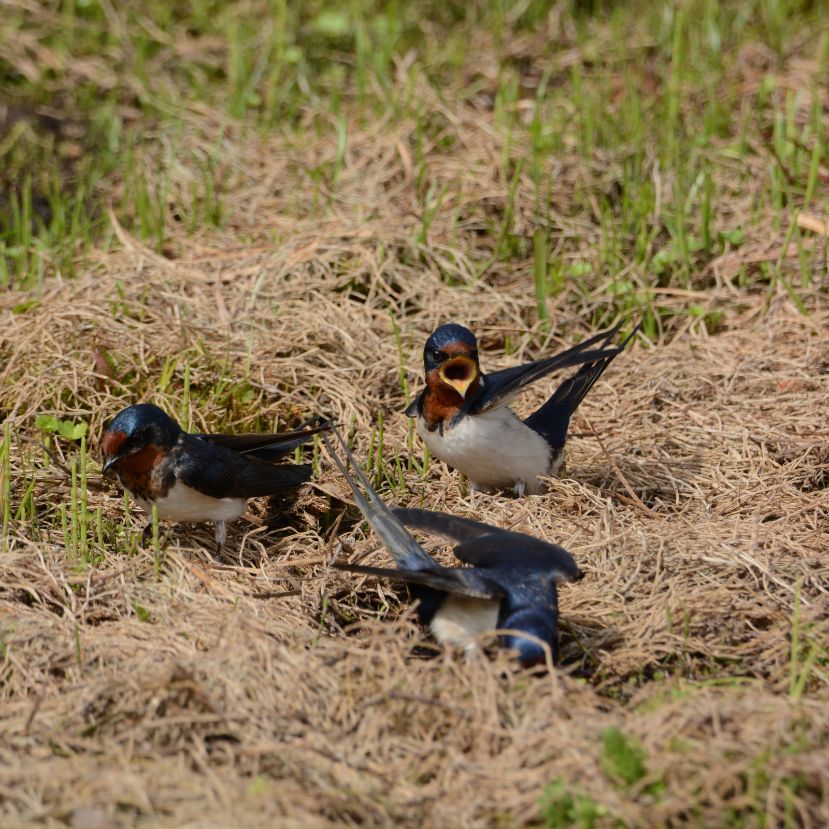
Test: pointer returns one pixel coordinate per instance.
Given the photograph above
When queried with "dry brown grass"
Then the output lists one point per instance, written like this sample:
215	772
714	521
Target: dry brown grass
245	695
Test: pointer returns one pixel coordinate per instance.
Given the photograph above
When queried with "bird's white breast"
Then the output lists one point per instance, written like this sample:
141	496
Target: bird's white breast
182	503
493	450
460	619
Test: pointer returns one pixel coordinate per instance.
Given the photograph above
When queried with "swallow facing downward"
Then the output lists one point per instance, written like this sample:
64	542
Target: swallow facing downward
194	477
463	416
510	585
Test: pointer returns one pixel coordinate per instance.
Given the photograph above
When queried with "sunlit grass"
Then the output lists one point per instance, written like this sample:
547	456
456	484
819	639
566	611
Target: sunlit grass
671	95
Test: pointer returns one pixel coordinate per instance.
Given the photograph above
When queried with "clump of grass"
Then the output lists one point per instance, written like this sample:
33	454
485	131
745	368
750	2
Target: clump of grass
622	759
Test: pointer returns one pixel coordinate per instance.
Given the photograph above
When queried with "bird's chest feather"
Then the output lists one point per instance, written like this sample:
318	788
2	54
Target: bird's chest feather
150	477
460	619
494	449
147	474
440	405
183	503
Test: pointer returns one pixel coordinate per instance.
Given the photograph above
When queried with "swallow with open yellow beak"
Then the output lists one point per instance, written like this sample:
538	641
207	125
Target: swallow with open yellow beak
463	417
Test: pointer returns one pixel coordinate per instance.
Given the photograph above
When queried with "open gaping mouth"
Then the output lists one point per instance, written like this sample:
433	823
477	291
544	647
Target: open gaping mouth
459	373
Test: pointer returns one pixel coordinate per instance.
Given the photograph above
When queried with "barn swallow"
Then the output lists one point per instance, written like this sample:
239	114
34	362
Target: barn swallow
463	417
197	477
510	585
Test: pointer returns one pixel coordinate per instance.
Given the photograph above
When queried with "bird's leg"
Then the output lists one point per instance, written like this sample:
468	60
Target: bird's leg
147	535
519	488
221	537
557	465
472	652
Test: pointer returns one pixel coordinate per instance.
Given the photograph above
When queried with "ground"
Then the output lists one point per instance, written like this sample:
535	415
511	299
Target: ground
251	213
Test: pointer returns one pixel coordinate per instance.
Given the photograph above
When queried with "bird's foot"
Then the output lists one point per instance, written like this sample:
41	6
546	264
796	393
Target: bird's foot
221	537
558	465
472	651
519	487
147	535
475	487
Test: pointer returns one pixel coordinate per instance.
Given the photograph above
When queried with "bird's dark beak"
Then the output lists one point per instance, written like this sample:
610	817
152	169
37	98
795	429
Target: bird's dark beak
460	373
109	463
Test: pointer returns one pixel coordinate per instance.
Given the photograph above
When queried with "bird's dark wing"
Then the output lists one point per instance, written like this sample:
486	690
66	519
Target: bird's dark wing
552	420
266	446
405	550
222	473
413	408
503	549
486	546
500	386
457	581
439	523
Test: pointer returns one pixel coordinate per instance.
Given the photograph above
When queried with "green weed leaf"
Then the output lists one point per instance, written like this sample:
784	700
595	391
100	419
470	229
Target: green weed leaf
71	431
67	429
332	23
562	808
622	758
47	423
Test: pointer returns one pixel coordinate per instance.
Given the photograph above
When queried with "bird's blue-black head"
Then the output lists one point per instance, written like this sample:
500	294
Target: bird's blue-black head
450	334
136	428
450	357
538	623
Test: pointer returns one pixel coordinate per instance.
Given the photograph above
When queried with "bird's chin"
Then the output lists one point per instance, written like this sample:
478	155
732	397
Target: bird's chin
112	476
115	463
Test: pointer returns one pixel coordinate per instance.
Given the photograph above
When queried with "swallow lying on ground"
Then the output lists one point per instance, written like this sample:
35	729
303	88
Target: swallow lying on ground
196	478
463	416
511	585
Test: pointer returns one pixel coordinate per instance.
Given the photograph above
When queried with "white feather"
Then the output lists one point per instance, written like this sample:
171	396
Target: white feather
460	619
494	450
182	503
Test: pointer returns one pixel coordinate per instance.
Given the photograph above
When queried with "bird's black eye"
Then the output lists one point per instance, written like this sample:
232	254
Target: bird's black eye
138	437
436	354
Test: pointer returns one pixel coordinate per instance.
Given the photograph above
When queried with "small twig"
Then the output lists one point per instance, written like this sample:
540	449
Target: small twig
625	499
52	454
791	179
403	696
275	594
33	713
92	483
637	501
814	224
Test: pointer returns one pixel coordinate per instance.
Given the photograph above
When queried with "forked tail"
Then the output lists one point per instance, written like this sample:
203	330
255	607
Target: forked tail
552	420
